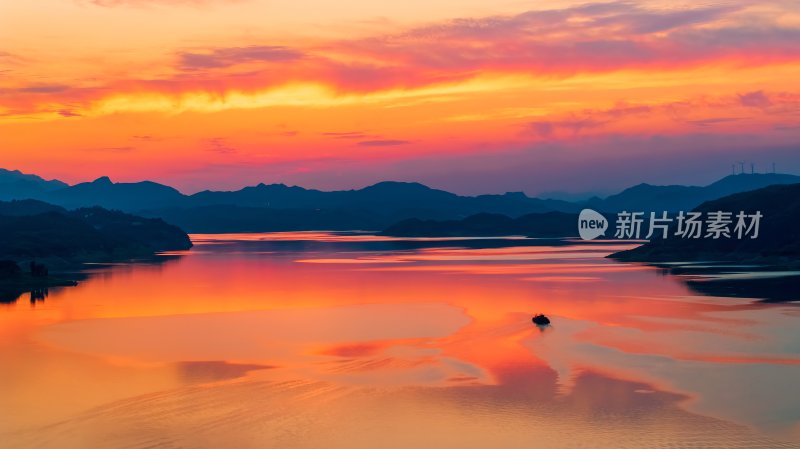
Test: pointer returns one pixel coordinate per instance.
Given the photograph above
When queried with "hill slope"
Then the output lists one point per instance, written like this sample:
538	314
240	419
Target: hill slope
778	239
130	197
85	234
17	185
278	207
646	197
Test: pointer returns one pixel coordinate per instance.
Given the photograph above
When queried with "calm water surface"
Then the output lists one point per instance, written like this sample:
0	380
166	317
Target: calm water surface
319	340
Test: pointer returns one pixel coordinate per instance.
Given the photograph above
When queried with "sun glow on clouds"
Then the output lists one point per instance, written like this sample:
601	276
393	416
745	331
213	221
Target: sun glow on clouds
292	95
216	90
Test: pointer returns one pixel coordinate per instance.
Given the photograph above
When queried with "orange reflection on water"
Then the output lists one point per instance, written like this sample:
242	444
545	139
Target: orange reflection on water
249	324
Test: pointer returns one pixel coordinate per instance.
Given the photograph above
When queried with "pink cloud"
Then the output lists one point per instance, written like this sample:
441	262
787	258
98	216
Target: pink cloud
383	143
226	57
755	99
593	38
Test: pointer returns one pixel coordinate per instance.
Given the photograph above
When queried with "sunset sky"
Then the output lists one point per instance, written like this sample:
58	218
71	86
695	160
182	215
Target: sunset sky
470	96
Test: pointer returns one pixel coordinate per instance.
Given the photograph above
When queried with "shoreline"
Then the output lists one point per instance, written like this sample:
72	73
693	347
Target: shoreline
13	288
64	273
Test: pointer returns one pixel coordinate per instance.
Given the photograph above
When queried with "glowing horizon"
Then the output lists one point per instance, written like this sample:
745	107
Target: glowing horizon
557	95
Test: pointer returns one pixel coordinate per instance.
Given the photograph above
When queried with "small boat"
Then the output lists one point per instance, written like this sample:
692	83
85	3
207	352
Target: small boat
540	320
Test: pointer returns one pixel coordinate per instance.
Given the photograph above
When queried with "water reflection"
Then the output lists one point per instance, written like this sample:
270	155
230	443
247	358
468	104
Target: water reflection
10	294
767	283
346	341
38	294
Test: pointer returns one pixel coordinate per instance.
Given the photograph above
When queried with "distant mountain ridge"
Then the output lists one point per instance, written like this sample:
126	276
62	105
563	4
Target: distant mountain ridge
278	207
17	185
384	196
127	197
647	197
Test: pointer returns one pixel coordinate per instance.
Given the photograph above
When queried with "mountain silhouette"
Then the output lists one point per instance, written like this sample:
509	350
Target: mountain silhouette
383	197
646	197
778	240
278	196
17	185
130	197
17	208
31	230
278	207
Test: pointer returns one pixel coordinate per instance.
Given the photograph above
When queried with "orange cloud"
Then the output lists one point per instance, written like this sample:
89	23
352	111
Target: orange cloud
593	38
562	90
